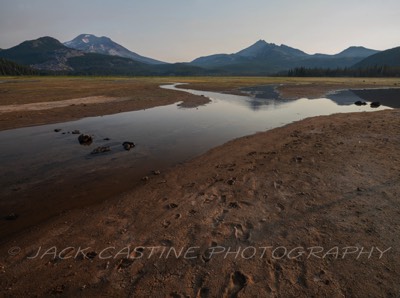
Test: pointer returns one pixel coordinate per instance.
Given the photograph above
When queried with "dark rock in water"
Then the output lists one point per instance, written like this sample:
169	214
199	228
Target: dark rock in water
375	104
360	103
75	132
57	130
128	145
12	216
106	139
85	139
101	149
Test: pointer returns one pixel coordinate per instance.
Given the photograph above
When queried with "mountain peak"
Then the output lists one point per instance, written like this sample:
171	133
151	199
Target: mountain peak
254	49
260	42
90	43
45	40
356	51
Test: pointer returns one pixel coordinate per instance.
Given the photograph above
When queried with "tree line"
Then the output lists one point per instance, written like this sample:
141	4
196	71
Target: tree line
10	68
372	71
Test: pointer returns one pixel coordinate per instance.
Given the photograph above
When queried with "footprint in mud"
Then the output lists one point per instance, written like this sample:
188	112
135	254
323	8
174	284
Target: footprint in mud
207	255
242	233
172	206
280	207
237	282
203	293
220	218
125	263
175	295
167	242
200	291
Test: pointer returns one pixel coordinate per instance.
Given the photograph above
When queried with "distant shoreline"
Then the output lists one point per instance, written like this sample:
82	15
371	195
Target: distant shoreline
130	94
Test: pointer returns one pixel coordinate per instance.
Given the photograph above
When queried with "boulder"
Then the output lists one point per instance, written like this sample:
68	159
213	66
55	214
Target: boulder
85	139
375	104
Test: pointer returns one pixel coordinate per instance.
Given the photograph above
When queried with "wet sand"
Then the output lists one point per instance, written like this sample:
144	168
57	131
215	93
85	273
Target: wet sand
323	186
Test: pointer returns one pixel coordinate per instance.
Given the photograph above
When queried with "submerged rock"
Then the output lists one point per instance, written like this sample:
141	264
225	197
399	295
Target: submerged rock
75	132
85	139
128	145
375	104
101	149
57	130
360	103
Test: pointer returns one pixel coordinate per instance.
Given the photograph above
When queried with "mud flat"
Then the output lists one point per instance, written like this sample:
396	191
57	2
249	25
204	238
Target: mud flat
308	209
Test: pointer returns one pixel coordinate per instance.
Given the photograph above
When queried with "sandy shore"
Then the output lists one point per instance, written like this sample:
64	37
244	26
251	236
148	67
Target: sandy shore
53	100
309	209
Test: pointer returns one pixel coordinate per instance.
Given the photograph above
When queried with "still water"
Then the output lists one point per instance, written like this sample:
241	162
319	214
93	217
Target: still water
164	136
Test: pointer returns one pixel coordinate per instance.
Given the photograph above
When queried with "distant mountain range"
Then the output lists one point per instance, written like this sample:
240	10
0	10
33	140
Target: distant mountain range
90	55
389	57
267	58
50	56
89	43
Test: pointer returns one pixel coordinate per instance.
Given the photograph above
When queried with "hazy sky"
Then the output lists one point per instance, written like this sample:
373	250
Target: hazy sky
181	30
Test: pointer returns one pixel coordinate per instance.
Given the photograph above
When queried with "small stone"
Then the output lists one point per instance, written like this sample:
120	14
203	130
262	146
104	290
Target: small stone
156	172
85	139
145	178
57	130
75	132
128	145
101	149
